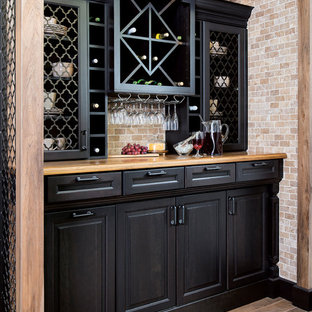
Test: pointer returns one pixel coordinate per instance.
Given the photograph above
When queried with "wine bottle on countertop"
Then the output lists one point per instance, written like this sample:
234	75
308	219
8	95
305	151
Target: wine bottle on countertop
161	36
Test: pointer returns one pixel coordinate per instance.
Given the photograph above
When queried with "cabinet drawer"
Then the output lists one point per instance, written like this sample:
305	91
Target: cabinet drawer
84	186
161	179
209	174
257	170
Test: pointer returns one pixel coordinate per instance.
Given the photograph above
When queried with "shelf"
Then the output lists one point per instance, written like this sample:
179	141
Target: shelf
97	91
57	78
57	37
97	113
97	68
97	135
96	46
96	24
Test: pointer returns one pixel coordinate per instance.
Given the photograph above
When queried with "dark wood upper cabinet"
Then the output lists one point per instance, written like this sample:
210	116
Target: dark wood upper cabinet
145	256
80	260
201	246
154	46
247	236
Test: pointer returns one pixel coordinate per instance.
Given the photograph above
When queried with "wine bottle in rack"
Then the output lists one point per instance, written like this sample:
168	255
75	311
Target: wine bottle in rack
96	105
142	57
162	36
131	31
96	150
155	58
193	108
95	19
179	83
179	38
140	81
95	61
153	83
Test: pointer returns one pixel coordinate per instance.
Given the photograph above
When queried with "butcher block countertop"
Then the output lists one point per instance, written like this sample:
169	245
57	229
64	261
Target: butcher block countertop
119	164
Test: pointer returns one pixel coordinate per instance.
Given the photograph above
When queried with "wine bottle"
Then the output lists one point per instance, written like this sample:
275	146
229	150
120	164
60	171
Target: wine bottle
131	31
95	19
162	36
142	57
153	83
95	61
193	108
96	105
179	84
179	38
140	81
155	58
96	150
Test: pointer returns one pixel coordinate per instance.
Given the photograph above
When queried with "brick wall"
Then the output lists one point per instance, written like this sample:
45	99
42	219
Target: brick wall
273	111
273	105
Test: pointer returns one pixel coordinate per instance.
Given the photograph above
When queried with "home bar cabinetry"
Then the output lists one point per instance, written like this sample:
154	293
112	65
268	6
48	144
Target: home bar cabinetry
184	233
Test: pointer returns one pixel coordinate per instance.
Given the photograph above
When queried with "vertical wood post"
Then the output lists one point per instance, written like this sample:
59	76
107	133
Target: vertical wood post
304	261
29	155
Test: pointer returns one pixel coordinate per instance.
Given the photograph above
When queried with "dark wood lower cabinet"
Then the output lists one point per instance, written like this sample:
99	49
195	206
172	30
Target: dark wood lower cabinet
80	261
145	256
247	233
201	246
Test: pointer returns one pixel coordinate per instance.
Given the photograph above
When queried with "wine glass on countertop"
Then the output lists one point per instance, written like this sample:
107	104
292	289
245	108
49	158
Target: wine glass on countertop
198	142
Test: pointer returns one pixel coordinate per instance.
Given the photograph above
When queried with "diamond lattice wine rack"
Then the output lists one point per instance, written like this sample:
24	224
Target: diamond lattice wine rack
154	46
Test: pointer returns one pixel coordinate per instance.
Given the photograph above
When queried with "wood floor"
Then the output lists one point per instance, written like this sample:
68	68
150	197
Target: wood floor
269	305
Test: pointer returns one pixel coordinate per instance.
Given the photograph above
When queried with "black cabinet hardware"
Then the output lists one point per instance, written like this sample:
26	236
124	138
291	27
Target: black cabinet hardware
84	140
213	168
261	164
94	178
160	173
181	215
173	215
81	215
231	206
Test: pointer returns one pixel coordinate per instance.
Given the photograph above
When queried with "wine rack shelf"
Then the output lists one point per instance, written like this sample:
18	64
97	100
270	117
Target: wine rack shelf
154	44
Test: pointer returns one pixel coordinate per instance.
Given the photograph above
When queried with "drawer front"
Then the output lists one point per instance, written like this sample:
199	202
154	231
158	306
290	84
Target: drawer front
209	175
141	181
84	186
257	170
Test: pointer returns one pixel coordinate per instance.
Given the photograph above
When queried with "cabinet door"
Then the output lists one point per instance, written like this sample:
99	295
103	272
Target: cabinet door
247	236
225	80
80	261
145	256
201	248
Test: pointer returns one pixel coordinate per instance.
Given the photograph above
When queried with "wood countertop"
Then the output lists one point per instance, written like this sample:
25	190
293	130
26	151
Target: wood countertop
118	164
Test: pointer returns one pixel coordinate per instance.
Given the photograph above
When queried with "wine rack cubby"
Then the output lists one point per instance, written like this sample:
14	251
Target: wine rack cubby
154	44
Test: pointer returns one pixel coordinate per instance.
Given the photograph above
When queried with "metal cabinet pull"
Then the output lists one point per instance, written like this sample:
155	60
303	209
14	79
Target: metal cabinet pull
94	178
181	215
173	215
160	173
81	215
84	140
262	164
232	208
213	168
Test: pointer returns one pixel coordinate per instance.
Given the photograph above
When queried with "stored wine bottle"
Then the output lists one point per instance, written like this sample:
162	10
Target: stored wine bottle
153	83
179	38
179	84
162	36
96	105
95	61
95	19
140	81
155	58
193	108
96	150
142	57
131	31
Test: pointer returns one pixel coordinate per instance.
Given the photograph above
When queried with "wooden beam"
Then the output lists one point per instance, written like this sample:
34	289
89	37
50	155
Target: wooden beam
304	253
29	156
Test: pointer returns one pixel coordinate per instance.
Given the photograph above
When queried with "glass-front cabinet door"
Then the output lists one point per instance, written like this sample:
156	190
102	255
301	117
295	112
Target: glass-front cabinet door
154	46
225	80
65	83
